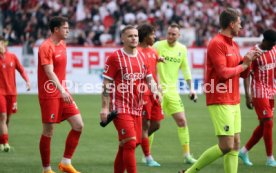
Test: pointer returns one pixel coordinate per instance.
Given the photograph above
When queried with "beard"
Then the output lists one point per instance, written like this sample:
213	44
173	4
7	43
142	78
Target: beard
235	33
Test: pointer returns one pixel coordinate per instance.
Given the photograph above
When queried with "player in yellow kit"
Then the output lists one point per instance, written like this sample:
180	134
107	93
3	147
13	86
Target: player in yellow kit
175	55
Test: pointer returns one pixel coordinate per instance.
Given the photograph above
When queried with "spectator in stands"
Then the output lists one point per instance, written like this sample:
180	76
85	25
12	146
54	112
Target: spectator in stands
102	16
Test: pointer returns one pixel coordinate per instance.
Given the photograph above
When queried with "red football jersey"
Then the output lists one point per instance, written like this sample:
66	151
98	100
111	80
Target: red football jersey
222	72
152	57
8	65
263	73
49	53
128	74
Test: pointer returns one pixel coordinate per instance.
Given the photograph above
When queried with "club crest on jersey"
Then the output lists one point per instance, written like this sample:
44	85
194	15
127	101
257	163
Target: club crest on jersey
144	66
106	67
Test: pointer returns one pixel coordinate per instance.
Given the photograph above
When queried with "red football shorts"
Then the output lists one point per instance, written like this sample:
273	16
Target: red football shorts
264	107
56	110
152	109
8	104
128	125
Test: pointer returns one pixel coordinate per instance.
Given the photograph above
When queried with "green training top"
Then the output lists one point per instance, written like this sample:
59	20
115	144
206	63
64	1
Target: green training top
175	58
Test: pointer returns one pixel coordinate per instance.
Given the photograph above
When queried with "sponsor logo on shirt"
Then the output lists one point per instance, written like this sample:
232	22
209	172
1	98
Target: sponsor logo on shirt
134	76
267	67
172	59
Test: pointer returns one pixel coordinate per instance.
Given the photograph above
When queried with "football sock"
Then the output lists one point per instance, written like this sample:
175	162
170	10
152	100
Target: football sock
71	143
4	139
244	150
206	158
44	147
48	168
119	162
145	146
183	135
186	149
66	161
129	156
256	136
151	137
231	162
270	157
267	134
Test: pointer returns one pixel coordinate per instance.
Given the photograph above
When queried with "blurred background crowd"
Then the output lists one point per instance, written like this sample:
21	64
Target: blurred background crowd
98	22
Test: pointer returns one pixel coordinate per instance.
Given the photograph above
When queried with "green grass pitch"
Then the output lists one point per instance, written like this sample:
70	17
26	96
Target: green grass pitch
98	146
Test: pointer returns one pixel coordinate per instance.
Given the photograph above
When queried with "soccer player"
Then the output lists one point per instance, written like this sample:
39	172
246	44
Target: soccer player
126	71
152	111
8	105
262	97
56	103
224	67
175	55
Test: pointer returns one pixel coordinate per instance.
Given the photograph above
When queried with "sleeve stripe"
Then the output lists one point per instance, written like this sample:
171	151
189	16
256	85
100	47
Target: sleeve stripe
149	75
107	77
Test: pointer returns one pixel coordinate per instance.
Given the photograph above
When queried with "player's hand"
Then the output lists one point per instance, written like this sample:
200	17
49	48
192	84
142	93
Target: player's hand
160	90
158	96
161	59
251	56
249	102
103	115
28	85
193	96
66	97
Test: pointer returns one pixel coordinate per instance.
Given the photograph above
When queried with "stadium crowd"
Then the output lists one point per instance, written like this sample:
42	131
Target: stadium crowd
98	22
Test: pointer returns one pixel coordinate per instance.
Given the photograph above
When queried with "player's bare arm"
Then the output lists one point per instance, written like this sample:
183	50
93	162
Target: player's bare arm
154	88
192	94
49	71
28	85
248	93
105	99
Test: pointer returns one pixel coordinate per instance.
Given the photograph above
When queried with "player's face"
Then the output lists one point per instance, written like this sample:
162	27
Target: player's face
236	27
130	38
172	35
2	47
150	38
63	31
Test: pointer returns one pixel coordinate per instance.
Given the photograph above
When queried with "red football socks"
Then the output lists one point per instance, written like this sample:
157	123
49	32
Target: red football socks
145	146
129	156
71	143
119	162
268	126
4	138
45	150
